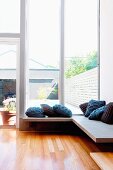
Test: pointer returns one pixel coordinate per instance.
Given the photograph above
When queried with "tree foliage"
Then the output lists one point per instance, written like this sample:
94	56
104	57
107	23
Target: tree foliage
77	65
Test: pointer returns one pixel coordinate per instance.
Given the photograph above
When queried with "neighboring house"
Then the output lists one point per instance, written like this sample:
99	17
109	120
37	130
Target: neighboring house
39	75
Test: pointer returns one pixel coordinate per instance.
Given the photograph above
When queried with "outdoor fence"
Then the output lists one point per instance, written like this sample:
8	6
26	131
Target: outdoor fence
81	88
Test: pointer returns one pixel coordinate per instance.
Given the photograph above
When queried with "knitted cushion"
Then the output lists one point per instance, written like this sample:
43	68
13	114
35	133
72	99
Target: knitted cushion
107	116
83	107
34	112
93	105
48	110
62	111
97	114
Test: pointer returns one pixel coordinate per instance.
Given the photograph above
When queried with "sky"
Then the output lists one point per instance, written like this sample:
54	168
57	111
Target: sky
44	27
10	16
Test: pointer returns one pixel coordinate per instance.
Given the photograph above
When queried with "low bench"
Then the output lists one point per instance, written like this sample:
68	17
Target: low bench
48	119
98	131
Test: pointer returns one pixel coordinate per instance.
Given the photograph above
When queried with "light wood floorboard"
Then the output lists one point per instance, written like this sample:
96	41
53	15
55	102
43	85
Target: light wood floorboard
103	159
35	151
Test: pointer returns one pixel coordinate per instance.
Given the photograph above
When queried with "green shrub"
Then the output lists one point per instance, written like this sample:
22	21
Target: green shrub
77	65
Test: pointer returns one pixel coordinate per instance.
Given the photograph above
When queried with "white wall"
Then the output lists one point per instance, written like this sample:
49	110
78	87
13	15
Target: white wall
106	50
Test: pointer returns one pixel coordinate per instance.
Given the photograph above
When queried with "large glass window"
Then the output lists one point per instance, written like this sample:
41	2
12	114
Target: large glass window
44	45
9	16
81	74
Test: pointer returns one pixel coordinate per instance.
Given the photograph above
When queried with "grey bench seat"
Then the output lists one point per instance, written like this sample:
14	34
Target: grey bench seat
98	131
47	119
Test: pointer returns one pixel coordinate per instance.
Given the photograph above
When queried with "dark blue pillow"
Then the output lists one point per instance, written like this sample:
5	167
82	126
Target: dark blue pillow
62	111
93	105
83	107
35	112
107	116
97	114
48	110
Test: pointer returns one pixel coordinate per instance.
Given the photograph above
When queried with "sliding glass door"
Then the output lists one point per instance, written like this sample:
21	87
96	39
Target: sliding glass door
9	53
8	59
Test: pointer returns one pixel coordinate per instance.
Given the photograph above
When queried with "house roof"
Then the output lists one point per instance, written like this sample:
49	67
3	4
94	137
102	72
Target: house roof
8	61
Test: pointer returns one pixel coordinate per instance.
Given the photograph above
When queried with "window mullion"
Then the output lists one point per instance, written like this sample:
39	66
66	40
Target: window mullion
61	82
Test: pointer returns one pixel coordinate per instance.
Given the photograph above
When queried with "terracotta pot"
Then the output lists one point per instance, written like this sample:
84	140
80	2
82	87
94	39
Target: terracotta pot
7	118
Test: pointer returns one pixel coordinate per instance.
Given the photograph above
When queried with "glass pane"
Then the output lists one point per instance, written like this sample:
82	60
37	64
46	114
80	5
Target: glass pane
81	77
7	84
9	16
44	50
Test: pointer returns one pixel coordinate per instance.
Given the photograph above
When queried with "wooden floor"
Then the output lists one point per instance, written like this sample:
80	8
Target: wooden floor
34	151
103	159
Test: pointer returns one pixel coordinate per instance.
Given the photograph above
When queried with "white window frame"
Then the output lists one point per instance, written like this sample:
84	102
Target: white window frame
61	74
23	76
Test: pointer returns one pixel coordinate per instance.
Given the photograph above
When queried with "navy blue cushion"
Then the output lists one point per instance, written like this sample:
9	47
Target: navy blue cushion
97	114
35	112
83	107
93	105
107	116
62	111
48	110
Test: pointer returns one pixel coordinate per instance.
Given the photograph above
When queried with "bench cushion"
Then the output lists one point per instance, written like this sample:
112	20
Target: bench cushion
34	112
107	116
62	111
93	105
97	114
83	107
48	110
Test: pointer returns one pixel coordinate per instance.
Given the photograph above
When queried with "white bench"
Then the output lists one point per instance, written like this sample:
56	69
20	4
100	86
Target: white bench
48	119
98	131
